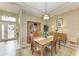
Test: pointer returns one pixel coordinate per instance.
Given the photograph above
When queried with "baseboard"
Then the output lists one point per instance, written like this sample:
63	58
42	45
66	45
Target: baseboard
69	45
7	40
24	46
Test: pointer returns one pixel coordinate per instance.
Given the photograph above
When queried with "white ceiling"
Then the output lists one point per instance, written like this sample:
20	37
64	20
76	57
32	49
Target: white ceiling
41	5
38	8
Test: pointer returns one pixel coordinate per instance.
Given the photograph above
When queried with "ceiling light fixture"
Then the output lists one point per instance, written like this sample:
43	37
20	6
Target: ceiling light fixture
46	16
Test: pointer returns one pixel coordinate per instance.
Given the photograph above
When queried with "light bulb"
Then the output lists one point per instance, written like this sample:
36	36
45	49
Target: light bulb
46	17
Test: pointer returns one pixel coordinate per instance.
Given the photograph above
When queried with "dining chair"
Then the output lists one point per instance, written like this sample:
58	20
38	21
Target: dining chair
62	37
53	43
34	48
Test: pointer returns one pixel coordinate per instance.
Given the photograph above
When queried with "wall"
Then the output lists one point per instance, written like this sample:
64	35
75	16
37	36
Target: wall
25	18
5	13
14	10
70	22
9	7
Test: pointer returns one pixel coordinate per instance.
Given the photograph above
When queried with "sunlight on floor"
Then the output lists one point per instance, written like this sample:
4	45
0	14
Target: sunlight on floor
8	48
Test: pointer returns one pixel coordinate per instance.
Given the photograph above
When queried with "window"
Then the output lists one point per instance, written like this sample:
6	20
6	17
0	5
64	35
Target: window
7	18
2	31
11	31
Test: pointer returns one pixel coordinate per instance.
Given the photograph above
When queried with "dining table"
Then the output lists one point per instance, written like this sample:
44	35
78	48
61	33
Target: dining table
43	42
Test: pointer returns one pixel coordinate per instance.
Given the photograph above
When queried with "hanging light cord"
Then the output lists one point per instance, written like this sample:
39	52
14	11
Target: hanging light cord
46	16
46	7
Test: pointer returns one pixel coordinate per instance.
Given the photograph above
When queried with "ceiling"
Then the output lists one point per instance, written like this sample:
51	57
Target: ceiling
41	5
38	8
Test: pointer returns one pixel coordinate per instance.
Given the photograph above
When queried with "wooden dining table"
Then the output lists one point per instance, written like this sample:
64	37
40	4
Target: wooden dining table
43	42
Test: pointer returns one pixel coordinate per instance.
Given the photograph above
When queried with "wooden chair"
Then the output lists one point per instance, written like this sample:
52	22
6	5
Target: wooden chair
53	43
62	37
36	34
34	47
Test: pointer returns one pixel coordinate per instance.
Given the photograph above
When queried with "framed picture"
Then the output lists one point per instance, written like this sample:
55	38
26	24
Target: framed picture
59	22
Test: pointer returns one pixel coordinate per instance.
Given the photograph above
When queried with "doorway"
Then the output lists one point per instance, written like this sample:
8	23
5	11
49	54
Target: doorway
7	29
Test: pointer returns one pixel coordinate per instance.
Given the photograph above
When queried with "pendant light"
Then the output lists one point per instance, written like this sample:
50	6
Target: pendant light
46	16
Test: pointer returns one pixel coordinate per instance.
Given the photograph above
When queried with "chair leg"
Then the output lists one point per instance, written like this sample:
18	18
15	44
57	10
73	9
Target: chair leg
31	48
32	52
55	49
65	41
36	53
51	51
59	43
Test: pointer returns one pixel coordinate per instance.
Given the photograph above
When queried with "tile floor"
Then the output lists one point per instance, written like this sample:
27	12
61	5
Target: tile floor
9	49
63	51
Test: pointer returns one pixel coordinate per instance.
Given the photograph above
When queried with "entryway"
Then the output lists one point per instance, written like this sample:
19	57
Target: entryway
7	28
7	36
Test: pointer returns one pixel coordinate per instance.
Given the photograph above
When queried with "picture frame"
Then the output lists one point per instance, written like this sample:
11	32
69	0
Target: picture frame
59	22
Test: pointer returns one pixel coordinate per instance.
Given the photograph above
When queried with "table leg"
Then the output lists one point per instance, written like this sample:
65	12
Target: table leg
42	50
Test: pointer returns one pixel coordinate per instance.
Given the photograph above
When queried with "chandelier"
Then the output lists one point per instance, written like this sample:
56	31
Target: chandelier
46	16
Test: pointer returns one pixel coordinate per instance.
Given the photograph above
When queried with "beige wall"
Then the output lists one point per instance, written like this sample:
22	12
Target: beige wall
25	18
70	22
